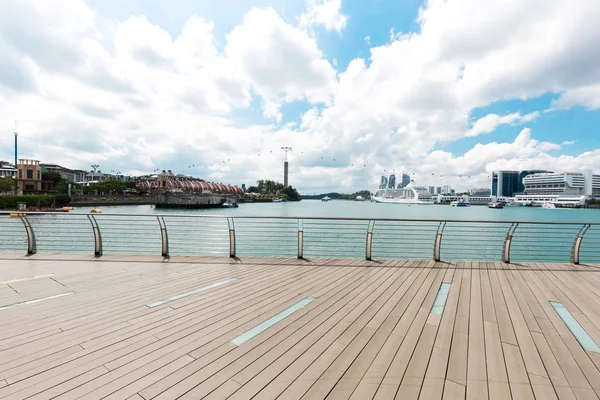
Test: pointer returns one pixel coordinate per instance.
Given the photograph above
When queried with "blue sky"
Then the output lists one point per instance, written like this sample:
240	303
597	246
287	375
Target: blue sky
355	87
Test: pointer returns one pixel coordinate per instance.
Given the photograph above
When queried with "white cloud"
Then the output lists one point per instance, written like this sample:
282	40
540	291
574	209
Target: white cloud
568	142
138	96
368	40
283	63
325	12
587	96
490	122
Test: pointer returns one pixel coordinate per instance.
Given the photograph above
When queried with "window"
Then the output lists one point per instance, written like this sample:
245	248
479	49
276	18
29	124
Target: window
29	174
20	174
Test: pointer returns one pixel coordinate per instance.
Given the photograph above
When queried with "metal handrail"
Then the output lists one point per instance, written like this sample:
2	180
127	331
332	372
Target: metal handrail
316	236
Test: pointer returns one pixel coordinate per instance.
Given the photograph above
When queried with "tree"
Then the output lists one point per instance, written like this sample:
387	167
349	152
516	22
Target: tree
7	184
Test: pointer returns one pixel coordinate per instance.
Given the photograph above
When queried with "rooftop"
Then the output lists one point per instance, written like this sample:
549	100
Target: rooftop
139	327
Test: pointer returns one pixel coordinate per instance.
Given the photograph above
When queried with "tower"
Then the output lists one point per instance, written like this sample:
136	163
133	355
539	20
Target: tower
285	166
16	135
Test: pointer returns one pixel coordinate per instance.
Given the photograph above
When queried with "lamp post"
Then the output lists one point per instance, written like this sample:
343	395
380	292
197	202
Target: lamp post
16	136
16	168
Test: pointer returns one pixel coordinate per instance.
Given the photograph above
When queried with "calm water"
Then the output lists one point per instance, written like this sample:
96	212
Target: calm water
322	238
365	209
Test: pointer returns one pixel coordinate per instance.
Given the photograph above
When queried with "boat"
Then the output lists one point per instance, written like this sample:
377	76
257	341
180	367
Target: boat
360	198
96	211
460	203
277	200
410	194
229	204
495	204
548	205
326	198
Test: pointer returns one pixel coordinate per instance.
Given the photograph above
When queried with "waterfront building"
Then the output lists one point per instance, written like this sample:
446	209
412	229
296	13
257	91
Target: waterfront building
432	189
505	183
95	176
446	189
9	172
392	182
566	189
29	176
480	192
523	174
79	175
572	183
438	190
65	173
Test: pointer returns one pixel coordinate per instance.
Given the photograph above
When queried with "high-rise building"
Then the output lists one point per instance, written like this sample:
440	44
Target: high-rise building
384	182
446	189
505	183
432	189
405	180
438	190
392	182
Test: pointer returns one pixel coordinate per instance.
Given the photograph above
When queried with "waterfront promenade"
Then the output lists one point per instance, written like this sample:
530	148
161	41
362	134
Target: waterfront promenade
141	327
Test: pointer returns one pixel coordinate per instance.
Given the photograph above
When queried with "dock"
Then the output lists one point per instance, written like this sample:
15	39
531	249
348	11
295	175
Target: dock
146	327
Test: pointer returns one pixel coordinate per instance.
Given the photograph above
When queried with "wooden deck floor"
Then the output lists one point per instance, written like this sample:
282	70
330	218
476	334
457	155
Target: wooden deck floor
369	334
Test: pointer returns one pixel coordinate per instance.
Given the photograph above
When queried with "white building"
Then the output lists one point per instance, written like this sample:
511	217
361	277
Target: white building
8	172
566	188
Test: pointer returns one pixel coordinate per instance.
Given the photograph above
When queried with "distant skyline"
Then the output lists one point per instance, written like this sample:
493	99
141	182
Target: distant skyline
443	90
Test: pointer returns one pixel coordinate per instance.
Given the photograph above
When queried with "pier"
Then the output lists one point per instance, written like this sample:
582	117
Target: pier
296	308
141	327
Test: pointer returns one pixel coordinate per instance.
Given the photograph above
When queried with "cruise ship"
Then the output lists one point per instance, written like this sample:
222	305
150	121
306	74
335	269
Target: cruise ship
410	194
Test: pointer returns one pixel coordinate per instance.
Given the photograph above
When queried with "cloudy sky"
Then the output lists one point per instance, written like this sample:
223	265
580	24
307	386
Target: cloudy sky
215	88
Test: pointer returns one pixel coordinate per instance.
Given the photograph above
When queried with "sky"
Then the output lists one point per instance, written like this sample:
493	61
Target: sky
444	90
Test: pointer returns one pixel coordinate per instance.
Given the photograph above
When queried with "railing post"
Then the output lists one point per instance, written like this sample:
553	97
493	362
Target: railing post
164	236
437	246
231	237
31	244
508	242
97	236
575	249
369	244
300	240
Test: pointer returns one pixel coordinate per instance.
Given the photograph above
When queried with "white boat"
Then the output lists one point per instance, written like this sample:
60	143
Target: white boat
326	198
410	194
360	198
548	205
460	203
229	204
495	204
277	200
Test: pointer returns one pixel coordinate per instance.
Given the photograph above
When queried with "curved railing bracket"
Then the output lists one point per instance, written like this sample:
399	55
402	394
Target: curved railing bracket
507	242
31	244
97	236
576	248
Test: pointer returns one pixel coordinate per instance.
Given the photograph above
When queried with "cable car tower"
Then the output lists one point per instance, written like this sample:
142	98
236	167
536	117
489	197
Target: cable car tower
285	165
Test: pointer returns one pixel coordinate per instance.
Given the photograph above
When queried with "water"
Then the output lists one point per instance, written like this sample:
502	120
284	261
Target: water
367	209
483	241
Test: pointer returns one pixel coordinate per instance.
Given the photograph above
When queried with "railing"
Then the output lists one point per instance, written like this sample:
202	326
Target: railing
305	237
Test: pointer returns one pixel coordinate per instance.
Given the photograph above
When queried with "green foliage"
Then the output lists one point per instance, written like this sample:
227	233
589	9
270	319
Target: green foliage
365	194
7	184
268	189
46	201
107	187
